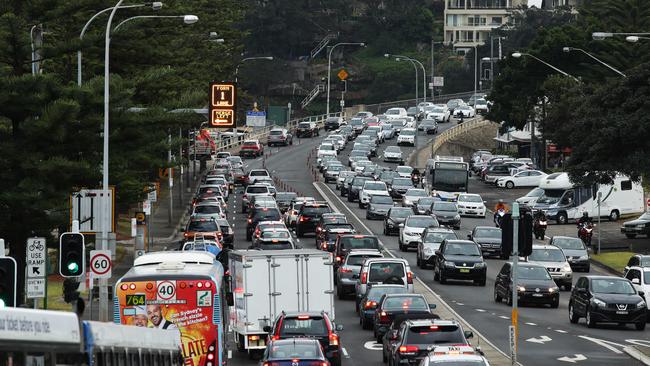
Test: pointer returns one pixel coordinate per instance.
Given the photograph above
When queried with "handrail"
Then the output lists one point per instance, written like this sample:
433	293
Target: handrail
451	133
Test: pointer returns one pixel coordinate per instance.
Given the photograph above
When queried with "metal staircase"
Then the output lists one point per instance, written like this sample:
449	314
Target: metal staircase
312	95
322	44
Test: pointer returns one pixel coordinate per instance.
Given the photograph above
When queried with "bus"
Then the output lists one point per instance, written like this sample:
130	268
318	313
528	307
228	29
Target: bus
182	293
43	337
448	175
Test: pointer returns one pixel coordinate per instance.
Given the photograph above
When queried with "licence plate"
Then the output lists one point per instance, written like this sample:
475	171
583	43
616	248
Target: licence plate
538	295
621	312
471	212
464	270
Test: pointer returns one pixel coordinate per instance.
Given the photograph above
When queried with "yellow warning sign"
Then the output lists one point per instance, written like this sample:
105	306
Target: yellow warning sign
343	74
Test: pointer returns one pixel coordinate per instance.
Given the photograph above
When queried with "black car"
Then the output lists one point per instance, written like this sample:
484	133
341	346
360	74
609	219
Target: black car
392	305
535	285
346	185
459	260
307	129
309	215
378	207
639	260
607	299
260	214
409	344
371	298
399	186
355	186
395	326
640	226
489	239
227	233
311	324
330	233
423	205
296	352
330	218
332	123
348	242
395	217
284	199
446	213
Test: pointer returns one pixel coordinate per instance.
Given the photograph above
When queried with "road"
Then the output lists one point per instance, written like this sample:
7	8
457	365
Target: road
545	334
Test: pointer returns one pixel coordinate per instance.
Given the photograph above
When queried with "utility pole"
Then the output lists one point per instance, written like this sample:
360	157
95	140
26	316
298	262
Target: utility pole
515	276
170	178
180	165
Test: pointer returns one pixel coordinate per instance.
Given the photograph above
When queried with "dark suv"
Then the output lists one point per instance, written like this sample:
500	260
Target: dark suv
459	260
393	305
332	123
307	129
308	217
311	325
355	187
260	214
348	242
535	285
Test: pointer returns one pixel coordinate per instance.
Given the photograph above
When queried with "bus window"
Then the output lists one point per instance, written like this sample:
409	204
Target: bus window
626	185
584	195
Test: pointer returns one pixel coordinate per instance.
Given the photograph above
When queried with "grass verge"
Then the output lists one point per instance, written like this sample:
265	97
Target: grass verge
615	260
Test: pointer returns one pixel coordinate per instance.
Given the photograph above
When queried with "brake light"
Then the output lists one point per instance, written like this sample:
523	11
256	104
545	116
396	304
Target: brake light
244	196
303	317
253	337
408	349
186	235
345	270
324	246
383	317
334	339
250	221
358	236
433	327
338	259
409	278
364	277
370	305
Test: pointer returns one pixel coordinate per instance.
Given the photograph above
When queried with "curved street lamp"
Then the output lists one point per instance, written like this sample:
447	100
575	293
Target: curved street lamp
519	54
329	67
569	49
269	58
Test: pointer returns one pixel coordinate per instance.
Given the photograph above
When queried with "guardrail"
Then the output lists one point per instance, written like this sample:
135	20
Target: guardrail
444	98
457	130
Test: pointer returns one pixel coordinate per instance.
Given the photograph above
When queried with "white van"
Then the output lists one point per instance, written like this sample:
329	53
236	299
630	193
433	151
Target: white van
563	201
396	113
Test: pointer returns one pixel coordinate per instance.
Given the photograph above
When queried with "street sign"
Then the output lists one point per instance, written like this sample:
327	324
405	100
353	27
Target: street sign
36	256
146	207
223	104
648	202
36	288
86	207
152	193
439	81
140	218
255	119
343	74
100	263
513	344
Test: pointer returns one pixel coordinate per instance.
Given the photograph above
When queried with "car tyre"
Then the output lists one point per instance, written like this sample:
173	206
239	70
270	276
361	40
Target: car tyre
591	323
614	215
510	184
442	278
365	324
568	286
556	303
497	297
562	218
509	298
640	326
573	317
418	261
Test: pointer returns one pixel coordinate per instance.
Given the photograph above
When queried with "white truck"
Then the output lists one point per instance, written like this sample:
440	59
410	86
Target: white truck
265	283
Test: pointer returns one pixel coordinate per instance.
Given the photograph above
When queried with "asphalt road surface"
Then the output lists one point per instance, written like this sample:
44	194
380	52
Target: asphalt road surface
546	336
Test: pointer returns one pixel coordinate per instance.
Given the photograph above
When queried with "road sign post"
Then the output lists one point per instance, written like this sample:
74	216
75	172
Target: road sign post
36	269
515	279
512	337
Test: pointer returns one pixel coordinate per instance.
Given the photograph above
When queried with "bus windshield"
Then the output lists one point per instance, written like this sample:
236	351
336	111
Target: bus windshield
450	180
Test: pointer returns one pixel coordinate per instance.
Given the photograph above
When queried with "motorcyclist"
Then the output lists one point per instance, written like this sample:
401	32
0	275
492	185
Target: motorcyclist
585	219
500	206
415	176
540	215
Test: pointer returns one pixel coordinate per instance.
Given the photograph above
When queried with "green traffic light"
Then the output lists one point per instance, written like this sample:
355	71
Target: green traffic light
73	267
2	303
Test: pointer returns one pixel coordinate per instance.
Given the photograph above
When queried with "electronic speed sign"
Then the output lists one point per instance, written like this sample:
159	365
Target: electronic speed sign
223	104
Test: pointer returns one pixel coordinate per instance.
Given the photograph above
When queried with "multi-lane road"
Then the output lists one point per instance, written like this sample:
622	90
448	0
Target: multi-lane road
546	336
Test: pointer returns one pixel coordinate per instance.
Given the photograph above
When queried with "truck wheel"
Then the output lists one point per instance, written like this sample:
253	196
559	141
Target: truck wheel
614	215
562	218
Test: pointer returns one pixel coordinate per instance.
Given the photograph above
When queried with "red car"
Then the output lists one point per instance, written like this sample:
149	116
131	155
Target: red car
251	148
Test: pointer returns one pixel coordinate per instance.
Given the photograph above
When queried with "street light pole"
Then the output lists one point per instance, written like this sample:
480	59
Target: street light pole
519	54
270	58
569	49
424	74
329	67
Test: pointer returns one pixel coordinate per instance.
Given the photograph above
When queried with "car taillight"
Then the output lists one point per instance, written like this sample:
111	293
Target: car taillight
370	305
187	235
345	270
409	278
324	245
383	317
244	197
408	349
334	339
364	277
301	219
250	221
318	363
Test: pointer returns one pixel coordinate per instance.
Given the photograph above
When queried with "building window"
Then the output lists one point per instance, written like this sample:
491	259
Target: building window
452	20
456	4
497	20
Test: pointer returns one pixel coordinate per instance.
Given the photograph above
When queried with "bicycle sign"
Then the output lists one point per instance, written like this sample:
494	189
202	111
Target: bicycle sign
36	258
100	263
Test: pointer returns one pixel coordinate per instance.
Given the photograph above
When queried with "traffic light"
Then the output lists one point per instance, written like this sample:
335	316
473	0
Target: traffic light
524	235
7	282
72	255
70	293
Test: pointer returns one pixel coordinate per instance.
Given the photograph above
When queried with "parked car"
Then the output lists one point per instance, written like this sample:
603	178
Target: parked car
534	285
526	178
459	260
555	261
280	136
430	243
575	251
639	226
489	239
307	129
251	148
607	299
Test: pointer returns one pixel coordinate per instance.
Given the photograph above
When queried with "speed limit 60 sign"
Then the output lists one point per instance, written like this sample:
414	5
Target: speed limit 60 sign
100	263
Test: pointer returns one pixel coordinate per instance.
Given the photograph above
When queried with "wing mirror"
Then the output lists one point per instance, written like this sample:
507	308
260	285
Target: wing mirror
267	329
401	226
469	334
393	335
339	327
432	306
636	281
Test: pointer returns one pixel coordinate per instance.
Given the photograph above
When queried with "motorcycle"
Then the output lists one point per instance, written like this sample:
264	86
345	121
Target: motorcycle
585	232
415	178
498	216
539	227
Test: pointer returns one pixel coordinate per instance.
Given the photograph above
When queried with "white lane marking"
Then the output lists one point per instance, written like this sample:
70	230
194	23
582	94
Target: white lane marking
345	353
480	310
541	340
504	317
578	357
443	302
607	344
639	342
229	354
561	331
460	303
531	323
374	346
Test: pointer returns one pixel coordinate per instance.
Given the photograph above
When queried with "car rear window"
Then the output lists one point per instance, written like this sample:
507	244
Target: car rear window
304	125
406	303
252	189
266	214
378	272
375	293
276	133
359	242
250	143
357	260
435	334
315	211
207	209
297	350
259	173
307	325
202	226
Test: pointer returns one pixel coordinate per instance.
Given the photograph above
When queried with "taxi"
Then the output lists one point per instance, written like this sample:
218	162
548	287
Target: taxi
454	355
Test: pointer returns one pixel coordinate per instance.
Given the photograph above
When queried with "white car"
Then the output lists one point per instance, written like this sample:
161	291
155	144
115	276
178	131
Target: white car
464	110
404	171
531	197
325	149
394	113
393	154
378	130
410	232
439	113
470	204
525	178
412	196
481	106
372	188
640	277
407	136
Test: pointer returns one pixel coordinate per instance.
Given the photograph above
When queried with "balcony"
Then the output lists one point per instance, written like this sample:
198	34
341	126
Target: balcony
489	4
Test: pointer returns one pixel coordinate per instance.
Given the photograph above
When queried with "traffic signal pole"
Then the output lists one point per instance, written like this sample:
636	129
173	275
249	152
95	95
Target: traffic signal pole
515	278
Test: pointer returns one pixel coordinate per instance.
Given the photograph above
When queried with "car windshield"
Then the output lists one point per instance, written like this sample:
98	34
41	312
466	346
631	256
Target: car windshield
358	181
547	255
437	110
266	214
551	196
358	153
211	209
416	193
258	189
438	237
404	169
393	112
304	325
315	210
326	147
435	334
645	216
384	200
201	226
490	232
401	213
357	260
407	133
470	249
294	350
569	243
405	303
426	201
533	273
394	149
356	122
402	182
612	286
359	242
469	198
444	206
421	222
375	186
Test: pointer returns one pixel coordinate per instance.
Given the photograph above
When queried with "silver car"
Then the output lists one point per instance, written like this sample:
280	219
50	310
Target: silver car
347	273
574	250
554	259
280	136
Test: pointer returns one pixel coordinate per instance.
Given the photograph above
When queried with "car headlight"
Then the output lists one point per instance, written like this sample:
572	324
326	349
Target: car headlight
566	267
641	304
457	217
598	302
449	264
584	257
480	265
408	202
553	289
521	289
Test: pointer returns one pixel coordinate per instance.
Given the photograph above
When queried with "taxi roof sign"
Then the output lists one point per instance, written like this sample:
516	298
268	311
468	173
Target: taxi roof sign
343	74
223	104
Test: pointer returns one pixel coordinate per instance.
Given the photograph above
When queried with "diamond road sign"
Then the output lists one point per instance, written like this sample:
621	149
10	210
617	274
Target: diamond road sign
343	74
